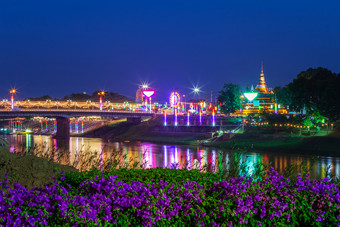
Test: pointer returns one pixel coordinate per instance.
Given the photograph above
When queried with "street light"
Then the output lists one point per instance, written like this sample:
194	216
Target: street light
101	94
12	92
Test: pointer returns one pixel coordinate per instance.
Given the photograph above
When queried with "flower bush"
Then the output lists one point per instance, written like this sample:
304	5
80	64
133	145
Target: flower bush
105	201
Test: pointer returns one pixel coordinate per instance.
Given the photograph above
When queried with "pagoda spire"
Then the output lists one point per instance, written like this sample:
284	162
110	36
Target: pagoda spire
261	85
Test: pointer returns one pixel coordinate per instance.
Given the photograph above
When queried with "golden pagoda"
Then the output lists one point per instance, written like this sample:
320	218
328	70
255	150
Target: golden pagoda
261	99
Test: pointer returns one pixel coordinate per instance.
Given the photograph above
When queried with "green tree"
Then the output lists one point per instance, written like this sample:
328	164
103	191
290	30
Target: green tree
230	99
283	96
316	90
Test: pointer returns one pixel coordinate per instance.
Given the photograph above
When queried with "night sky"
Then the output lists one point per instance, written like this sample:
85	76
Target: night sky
60	47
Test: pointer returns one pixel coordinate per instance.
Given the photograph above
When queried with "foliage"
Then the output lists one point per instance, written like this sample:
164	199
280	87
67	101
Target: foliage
145	176
283	96
230	98
271	201
316	90
41	98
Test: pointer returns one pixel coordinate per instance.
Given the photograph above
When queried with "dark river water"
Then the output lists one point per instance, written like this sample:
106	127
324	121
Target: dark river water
79	152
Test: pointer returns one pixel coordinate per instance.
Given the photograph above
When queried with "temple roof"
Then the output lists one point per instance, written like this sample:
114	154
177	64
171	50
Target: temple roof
261	85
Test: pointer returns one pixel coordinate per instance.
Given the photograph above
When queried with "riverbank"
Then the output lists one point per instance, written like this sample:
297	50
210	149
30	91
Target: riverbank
28	169
312	145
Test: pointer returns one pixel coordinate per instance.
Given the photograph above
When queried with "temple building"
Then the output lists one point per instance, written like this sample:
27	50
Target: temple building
260	100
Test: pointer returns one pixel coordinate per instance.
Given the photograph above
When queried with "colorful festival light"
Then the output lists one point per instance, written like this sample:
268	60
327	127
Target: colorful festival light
148	94
174	99
164	118
200	117
250	96
188	118
176	119
55	125
101	94
12	92
213	118
275	108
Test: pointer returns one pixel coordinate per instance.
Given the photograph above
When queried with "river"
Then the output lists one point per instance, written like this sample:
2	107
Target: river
78	151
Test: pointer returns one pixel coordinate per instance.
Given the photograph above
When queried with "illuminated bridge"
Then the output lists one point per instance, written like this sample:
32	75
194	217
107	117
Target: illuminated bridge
63	116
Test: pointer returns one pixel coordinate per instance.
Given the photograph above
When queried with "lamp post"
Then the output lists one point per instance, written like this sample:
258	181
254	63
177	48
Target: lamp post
101	94
12	92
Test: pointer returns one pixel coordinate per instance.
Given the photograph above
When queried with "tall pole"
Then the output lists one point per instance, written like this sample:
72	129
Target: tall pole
100	102
101	94
12	92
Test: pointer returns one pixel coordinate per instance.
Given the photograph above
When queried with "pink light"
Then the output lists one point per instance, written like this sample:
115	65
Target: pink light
176	120
148	93
100	102
213	118
200	116
188	118
12	101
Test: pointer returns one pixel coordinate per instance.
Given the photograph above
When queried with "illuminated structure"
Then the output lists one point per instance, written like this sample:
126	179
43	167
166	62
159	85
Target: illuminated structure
12	92
261	85
148	94
101	94
175	99
139	95
260	100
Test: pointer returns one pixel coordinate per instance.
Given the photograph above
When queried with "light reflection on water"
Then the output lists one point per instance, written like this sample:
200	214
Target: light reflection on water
158	155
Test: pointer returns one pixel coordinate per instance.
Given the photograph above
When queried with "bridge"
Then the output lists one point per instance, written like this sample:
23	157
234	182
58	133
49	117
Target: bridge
69	104
63	116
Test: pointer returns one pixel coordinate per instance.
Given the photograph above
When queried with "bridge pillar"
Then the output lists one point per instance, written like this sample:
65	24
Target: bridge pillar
134	120
63	128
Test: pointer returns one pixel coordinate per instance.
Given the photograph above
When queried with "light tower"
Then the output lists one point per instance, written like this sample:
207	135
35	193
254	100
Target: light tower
12	92
101	94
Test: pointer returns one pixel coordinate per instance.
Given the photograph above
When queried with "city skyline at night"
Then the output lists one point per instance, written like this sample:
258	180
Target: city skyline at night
63	48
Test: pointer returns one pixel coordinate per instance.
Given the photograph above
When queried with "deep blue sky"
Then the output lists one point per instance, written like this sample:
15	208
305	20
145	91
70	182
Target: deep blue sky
59	47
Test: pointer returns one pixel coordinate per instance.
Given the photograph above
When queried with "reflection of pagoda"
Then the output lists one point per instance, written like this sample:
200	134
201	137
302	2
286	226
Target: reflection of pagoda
139	95
264	101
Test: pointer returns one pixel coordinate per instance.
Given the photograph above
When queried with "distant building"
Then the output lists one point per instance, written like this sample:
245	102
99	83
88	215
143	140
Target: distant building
139	95
265	100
